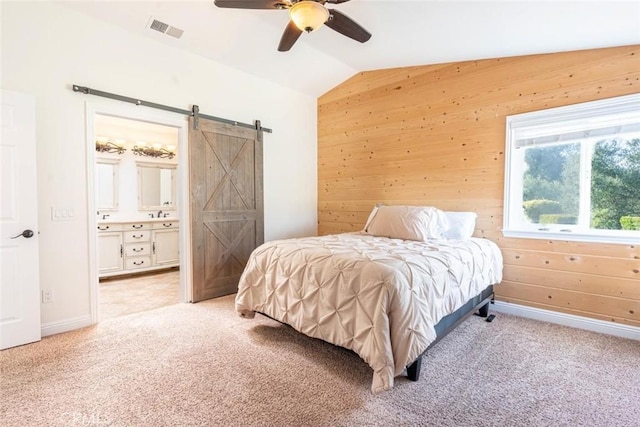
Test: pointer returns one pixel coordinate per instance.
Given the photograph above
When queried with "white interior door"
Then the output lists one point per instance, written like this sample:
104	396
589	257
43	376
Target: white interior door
19	281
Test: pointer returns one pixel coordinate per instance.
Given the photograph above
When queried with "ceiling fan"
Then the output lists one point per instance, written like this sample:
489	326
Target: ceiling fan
304	15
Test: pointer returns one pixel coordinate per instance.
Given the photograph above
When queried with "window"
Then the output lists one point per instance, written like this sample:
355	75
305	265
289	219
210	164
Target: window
573	173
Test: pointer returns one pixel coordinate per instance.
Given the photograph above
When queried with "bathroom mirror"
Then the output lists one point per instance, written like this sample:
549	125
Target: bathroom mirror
106	181
156	186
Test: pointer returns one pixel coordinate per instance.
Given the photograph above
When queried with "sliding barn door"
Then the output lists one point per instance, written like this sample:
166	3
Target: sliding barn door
225	164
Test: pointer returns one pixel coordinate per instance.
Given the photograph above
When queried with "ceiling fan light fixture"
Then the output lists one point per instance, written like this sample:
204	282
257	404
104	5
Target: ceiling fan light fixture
308	15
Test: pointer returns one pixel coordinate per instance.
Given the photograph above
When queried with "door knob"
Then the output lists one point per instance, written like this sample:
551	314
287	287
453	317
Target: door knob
26	234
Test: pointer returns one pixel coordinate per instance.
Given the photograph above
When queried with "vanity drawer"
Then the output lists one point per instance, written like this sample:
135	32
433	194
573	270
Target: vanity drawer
137	262
110	227
136	249
127	226
137	236
163	225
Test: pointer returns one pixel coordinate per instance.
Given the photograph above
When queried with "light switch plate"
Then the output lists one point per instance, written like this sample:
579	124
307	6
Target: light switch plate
62	213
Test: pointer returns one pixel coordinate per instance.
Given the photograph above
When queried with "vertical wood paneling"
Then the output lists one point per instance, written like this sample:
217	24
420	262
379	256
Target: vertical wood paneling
435	135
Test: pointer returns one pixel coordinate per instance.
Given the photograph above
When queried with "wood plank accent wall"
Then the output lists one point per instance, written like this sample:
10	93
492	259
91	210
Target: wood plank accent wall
435	135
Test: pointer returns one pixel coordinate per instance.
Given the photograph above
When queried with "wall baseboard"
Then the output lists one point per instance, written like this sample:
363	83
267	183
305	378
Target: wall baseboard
67	325
624	331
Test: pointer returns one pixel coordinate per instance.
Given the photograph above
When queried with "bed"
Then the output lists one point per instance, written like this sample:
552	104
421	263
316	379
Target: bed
386	298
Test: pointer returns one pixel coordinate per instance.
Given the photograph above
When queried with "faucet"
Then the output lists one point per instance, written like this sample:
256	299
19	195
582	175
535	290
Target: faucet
151	215
104	216
159	214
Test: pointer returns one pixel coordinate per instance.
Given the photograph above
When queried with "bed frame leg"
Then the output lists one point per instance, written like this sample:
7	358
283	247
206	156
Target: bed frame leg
484	310
413	370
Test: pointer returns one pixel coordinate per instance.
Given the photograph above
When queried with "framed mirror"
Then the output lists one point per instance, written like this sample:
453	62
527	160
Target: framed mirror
156	186
106	181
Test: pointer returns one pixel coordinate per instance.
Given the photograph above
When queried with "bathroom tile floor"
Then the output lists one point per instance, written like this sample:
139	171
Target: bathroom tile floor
134	294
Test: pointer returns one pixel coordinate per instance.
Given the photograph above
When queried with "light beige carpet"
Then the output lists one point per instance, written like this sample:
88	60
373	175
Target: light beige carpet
201	365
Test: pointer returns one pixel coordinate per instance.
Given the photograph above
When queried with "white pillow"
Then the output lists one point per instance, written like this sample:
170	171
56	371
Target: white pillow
371	216
461	225
407	222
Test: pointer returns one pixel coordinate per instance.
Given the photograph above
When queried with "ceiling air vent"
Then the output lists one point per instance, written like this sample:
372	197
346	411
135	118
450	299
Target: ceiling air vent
174	32
159	26
165	28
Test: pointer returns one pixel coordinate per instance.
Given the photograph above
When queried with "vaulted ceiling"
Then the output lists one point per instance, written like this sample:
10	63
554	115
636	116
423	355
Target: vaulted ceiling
405	32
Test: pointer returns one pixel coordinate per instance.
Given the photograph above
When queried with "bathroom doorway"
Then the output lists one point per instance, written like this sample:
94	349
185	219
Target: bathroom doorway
137	196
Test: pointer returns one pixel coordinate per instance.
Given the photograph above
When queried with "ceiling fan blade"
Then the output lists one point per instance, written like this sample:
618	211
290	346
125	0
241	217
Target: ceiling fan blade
341	23
251	4
289	37
336	1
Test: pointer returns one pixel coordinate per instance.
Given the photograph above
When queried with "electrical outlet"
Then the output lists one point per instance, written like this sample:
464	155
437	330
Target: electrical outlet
47	296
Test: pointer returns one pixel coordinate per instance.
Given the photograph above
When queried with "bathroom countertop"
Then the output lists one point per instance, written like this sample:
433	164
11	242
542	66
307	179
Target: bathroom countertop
127	221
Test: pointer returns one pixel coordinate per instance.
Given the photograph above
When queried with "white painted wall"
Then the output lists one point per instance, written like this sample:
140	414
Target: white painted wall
47	47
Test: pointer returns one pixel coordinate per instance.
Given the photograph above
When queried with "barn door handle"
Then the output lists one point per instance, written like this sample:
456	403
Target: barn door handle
27	234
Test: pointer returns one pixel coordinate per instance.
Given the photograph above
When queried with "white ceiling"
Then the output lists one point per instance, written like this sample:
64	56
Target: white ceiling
405	32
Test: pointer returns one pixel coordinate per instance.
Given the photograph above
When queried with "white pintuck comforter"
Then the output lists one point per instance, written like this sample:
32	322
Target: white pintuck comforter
377	296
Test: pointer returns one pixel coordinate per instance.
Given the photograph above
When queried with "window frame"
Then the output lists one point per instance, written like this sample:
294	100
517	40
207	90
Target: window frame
570	118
